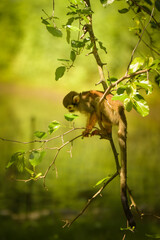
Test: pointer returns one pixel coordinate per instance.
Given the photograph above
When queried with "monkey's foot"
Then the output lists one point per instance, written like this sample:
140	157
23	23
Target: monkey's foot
102	134
95	132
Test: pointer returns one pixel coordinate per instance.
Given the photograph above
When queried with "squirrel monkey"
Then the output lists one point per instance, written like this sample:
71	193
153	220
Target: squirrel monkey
107	113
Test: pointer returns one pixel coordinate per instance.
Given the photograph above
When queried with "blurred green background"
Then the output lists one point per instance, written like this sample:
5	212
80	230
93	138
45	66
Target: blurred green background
30	99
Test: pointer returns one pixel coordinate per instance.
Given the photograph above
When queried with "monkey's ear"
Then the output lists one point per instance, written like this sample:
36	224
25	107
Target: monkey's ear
76	99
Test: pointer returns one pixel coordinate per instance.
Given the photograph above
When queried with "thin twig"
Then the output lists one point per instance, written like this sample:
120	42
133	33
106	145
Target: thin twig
69	223
42	140
140	38
56	155
122	79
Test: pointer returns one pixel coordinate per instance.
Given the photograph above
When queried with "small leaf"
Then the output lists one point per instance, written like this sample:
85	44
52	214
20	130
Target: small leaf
103	180
120	97
59	72
29	171
150	61
121	90
38	175
40	134
73	56
128	229
128	104
53	126
136	64
69	22
54	31
17	159
146	9
124	10
102	47
36	157
75	1
145	84
70	117
63	60
140	105
157	79
106	2
77	44
148	1
44	21
72	28
157	4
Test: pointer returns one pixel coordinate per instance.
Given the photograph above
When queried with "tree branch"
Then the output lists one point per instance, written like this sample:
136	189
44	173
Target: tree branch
69	223
122	79
89	28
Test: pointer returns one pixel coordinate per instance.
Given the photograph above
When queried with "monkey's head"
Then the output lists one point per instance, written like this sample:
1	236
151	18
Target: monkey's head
71	101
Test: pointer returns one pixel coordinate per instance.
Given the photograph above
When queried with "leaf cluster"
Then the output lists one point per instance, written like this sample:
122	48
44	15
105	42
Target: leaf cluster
129	91
30	160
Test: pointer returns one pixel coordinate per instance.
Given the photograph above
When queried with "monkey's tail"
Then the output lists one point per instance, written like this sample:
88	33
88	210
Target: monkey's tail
123	183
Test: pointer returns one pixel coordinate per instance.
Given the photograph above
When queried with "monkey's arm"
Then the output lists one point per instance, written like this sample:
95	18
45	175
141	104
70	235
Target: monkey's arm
91	122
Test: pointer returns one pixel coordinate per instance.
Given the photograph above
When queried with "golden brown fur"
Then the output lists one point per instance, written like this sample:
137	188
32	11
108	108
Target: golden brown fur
107	113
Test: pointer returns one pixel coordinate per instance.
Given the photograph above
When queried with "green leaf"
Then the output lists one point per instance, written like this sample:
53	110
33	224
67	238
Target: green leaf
54	31
128	104
145	84
146	9
157	79
63	60
72	28
136	64
121	90
59	72
40	134
140	105
103	180
38	175
124	10
69	22
106	2
75	1
157	4
44	21
36	157
156	64
102	47
70	117
127	228
53	126
17	159
77	44
120	97
148	1
29	171
73	56
150	61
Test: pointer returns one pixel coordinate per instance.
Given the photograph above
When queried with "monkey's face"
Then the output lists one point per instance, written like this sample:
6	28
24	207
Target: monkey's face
71	108
71	101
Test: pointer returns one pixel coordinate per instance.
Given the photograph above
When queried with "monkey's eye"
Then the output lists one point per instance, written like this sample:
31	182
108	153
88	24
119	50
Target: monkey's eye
70	108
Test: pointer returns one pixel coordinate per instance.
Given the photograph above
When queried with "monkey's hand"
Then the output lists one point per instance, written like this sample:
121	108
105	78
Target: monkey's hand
86	132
